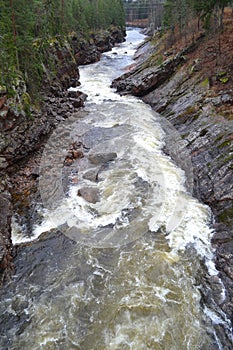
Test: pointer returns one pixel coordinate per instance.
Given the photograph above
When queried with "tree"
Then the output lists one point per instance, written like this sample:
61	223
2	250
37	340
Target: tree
27	27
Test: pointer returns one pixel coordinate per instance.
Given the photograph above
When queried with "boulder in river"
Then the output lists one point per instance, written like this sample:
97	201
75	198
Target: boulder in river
100	158
90	194
91	175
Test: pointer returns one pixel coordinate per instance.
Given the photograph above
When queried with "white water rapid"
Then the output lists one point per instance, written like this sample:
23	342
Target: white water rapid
131	281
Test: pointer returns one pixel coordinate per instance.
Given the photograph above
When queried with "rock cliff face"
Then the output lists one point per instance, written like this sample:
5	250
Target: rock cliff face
182	93
6	264
24	128
89	51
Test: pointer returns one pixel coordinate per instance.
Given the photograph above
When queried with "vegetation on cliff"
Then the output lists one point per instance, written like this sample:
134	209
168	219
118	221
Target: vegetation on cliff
27	30
182	11
169	13
186	18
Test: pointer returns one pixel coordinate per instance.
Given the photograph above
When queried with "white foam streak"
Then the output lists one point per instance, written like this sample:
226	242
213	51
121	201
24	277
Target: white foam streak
167	205
144	297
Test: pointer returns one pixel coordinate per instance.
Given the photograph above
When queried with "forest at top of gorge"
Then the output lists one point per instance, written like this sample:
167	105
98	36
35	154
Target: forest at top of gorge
171	12
179	23
27	28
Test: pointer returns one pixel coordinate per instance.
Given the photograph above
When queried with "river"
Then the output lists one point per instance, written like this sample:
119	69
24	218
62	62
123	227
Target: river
128	272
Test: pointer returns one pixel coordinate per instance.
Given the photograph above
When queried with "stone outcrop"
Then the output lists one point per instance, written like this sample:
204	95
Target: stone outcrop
22	134
90	194
101	158
89	50
144	78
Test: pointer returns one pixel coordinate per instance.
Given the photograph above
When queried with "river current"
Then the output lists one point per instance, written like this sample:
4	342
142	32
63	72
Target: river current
131	279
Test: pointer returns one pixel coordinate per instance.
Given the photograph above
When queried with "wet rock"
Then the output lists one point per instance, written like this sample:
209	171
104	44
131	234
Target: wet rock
91	175
90	194
6	265
37	264
225	259
141	185
75	94
87	54
77	103
100	158
68	161
69	155
213	292
226	250
117	34
78	100
75	152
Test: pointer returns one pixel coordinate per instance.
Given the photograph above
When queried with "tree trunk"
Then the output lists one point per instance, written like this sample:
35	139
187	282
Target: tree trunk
62	14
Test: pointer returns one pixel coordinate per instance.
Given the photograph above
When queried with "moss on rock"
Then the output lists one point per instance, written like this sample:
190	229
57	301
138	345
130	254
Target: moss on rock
226	215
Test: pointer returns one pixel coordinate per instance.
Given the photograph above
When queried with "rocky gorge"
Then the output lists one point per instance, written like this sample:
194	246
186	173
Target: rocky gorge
195	95
195	100
25	127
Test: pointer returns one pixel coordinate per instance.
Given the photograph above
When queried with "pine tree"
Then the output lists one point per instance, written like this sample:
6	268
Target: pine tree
26	27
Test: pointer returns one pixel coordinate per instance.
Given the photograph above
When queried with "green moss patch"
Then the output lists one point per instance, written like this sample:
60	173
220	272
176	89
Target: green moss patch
226	215
191	112
205	83
225	143
228	158
224	80
222	77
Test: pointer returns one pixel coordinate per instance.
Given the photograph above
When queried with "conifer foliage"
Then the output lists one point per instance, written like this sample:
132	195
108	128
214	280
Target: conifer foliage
181	12
186	18
24	23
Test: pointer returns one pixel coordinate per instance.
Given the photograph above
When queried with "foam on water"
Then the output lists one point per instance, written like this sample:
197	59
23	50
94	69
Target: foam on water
139	154
144	297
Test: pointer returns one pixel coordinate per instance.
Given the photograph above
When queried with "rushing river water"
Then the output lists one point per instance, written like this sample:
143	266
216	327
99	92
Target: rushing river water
128	274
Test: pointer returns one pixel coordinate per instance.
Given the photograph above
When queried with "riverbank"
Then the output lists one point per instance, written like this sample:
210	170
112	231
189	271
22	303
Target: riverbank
191	86
25	131
65	293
